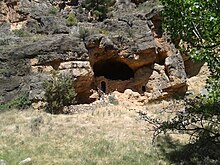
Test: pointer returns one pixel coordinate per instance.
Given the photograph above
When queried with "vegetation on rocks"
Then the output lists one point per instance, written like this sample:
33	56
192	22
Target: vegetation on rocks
71	20
59	92
21	33
53	11
19	102
98	8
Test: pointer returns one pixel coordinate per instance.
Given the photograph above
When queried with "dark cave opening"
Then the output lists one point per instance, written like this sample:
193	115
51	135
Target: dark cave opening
113	70
103	86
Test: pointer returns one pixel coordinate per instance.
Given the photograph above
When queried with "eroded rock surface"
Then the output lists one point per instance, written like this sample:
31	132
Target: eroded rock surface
126	51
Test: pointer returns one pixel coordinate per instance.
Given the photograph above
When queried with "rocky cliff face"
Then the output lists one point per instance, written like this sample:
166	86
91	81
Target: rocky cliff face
128	50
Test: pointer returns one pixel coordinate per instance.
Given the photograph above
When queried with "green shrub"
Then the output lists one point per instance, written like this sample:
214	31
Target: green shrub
84	32
21	33
99	8
53	11
71	20
112	99
19	102
59	92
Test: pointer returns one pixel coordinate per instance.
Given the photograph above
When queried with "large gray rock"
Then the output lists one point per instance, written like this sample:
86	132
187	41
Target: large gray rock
36	86
48	25
16	75
60	47
13	78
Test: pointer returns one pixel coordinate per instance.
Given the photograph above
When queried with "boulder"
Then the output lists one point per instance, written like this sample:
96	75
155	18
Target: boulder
175	70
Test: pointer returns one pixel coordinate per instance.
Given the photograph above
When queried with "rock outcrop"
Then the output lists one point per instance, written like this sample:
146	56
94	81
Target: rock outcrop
126	51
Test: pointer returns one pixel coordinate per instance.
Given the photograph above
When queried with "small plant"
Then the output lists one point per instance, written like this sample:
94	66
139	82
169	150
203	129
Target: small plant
21	33
59	92
53	11
71	20
20	102
112	99
84	32
98	8
35	125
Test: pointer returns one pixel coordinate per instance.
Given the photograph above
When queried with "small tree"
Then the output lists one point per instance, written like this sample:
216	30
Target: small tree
71	20
59	92
99	8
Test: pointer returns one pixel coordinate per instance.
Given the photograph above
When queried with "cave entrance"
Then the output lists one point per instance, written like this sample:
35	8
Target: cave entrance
113	70
143	88
103	86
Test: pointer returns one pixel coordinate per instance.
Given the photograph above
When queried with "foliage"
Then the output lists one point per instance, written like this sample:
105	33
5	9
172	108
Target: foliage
84	32
194	26
71	20
53	11
19	102
98	8
112	99
21	33
35	125
201	120
59	92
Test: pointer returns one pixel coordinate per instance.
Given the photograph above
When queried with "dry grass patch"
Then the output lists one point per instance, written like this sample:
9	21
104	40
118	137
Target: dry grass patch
107	135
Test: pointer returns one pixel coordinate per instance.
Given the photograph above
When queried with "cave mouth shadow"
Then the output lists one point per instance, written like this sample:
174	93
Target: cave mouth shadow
113	70
201	152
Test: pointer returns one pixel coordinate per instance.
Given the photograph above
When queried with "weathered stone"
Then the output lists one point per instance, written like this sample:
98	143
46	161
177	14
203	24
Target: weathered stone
176	73
38	105
26	161
48	25
36	86
126	51
2	162
61	48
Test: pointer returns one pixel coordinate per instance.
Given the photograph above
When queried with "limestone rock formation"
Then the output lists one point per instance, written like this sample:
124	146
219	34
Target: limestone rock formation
126	51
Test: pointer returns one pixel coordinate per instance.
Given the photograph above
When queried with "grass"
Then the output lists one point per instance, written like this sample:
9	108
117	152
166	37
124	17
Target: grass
104	136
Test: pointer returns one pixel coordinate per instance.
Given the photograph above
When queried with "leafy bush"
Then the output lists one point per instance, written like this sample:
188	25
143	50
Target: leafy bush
71	20
84	32
99	8
19	102
59	92
53	11
21	33
200	120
